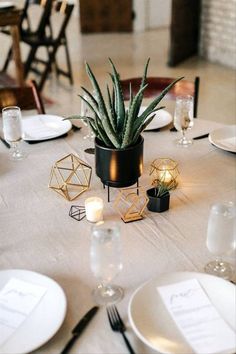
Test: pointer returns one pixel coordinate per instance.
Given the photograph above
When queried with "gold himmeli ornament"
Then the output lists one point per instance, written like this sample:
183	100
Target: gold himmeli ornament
164	170
130	203
70	176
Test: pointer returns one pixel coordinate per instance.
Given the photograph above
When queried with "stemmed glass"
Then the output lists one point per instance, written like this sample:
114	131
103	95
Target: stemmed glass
183	118
105	261
90	135
12	130
221	238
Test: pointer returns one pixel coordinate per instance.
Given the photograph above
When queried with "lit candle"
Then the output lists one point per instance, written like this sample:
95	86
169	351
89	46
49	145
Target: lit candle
165	176
94	209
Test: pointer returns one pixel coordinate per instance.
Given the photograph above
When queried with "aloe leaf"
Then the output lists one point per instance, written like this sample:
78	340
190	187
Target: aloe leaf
143	83
142	127
102	108
141	119
119	97
130	120
155	102
92	99
111	110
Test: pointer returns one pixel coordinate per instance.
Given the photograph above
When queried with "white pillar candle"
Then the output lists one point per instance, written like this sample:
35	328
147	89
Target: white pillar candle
94	209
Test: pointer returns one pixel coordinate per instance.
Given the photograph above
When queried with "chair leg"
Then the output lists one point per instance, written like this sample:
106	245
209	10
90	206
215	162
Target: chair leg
8	58
51	59
29	60
68	62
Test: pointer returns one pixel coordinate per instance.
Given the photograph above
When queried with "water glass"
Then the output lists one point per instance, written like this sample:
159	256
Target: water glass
105	261
183	118
221	238
12	130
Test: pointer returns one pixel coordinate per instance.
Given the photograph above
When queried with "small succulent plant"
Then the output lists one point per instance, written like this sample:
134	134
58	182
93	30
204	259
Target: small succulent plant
112	123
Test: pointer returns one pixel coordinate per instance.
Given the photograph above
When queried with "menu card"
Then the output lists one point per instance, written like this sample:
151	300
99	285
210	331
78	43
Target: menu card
18	298
197	318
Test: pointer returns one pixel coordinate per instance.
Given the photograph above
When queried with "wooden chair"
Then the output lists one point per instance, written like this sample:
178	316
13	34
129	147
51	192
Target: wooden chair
41	6
157	84
25	97
51	43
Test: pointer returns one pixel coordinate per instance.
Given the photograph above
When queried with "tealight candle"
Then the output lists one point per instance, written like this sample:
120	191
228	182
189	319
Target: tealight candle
94	209
165	176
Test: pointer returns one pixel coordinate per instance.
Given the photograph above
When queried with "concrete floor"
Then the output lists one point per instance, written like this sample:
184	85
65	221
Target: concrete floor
217	99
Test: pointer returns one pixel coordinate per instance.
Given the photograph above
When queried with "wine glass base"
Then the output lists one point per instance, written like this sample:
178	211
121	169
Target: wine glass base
184	142
220	269
17	156
107	295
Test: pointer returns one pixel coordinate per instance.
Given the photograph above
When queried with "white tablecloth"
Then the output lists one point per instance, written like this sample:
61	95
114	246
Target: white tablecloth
38	234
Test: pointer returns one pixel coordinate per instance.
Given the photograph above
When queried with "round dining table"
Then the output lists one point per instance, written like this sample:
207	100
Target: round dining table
37	233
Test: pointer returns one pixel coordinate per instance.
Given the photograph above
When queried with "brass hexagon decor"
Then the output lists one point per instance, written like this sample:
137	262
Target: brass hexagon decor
130	203
70	177
164	170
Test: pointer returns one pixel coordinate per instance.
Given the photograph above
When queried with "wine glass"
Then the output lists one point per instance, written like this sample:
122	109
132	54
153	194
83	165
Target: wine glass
221	238
12	130
183	118
105	261
85	111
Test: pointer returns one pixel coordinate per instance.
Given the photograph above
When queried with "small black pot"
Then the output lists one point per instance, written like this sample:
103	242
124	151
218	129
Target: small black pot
119	167
157	204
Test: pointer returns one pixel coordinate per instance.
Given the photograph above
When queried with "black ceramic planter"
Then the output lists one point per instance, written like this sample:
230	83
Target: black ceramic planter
119	167
157	204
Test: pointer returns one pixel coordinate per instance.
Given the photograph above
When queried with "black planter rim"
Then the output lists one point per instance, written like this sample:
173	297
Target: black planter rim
101	145
149	194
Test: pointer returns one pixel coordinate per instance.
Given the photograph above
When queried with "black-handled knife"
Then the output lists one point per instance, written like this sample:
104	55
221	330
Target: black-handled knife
76	332
201	136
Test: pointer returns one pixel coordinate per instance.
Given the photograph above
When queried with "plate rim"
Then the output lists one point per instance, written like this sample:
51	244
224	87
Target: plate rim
68	122
63	315
160	126
211	139
155	279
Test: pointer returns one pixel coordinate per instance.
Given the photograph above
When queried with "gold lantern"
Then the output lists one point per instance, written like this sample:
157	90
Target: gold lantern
130	203
70	176
164	170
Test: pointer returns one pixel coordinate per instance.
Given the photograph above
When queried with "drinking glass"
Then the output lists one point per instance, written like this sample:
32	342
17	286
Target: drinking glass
221	238
105	261
12	130
183	118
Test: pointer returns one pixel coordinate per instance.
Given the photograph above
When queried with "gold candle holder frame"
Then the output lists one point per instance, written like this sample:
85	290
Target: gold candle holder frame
164	170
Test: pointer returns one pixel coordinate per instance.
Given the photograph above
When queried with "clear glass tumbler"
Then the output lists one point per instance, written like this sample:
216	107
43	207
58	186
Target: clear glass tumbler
221	238
183	118
12	130
105	261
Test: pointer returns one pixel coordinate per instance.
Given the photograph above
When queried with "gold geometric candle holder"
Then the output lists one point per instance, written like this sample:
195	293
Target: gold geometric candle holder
164	170
130	203
70	176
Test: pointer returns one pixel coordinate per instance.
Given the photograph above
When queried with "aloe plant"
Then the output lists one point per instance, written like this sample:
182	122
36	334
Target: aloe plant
112	123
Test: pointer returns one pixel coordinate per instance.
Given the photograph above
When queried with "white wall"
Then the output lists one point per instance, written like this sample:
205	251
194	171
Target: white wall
151	14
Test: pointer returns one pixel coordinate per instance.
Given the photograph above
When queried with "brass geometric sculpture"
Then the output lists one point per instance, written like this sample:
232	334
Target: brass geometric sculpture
164	170
130	203
70	176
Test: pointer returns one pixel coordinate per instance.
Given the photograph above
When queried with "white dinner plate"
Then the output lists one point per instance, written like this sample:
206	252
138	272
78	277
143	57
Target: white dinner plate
6	5
224	138
161	119
153	324
44	127
45	319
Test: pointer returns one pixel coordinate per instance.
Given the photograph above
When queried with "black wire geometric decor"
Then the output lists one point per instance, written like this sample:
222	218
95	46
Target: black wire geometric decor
77	212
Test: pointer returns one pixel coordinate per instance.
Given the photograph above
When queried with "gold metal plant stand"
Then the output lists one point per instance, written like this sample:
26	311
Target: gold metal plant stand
70	176
130	203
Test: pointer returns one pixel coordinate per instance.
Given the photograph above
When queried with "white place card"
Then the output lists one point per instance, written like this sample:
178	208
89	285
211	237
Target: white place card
197	318
18	298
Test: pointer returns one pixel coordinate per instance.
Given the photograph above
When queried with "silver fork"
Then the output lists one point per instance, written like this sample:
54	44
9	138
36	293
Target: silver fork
117	325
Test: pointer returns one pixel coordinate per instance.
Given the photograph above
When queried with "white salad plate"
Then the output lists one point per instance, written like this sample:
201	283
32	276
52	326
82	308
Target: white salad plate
152	322
44	127
6	5
161	119
44	320
224	138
